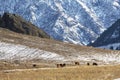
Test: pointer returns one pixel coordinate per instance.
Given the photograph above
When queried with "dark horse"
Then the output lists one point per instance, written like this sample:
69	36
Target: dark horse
61	65
95	64
77	63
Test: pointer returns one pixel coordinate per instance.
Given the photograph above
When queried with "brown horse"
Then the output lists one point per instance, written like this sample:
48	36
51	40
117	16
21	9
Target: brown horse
95	64
88	64
34	65
77	63
61	65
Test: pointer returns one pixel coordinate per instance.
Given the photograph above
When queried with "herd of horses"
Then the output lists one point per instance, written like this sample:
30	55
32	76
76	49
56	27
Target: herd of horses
75	63
59	65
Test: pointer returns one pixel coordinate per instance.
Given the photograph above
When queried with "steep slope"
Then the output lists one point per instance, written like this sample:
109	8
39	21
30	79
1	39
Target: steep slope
17	24
21	47
110	39
76	21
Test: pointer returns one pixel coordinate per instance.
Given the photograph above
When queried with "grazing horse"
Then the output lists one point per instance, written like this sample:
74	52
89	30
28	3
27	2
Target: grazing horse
34	65
88	64
95	64
77	63
61	65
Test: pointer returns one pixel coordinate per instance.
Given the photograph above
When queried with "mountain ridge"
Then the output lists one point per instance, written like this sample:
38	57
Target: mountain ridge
17	24
110	37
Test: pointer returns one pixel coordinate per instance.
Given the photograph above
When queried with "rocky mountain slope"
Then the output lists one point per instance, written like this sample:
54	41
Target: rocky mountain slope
17	24
76	21
110	39
14	46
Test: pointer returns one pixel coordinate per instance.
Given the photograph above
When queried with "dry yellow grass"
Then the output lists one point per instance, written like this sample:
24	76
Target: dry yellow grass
8	65
73	73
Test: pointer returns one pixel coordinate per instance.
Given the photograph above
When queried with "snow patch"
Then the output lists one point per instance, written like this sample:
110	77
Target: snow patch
116	4
11	51
117	79
114	46
115	34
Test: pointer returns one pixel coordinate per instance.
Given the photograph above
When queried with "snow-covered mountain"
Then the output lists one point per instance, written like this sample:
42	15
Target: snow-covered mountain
110	39
76	21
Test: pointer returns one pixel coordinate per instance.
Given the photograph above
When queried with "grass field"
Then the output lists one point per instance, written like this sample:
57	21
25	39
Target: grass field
67	73
70	52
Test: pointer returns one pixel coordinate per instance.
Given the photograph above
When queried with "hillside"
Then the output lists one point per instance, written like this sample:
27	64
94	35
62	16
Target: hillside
17	24
14	46
109	39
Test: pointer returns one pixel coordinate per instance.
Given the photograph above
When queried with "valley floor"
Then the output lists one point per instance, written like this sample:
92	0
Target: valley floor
66	73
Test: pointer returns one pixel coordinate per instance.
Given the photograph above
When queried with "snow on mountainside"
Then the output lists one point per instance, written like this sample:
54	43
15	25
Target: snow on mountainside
76	21
13	52
114	46
14	46
109	39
